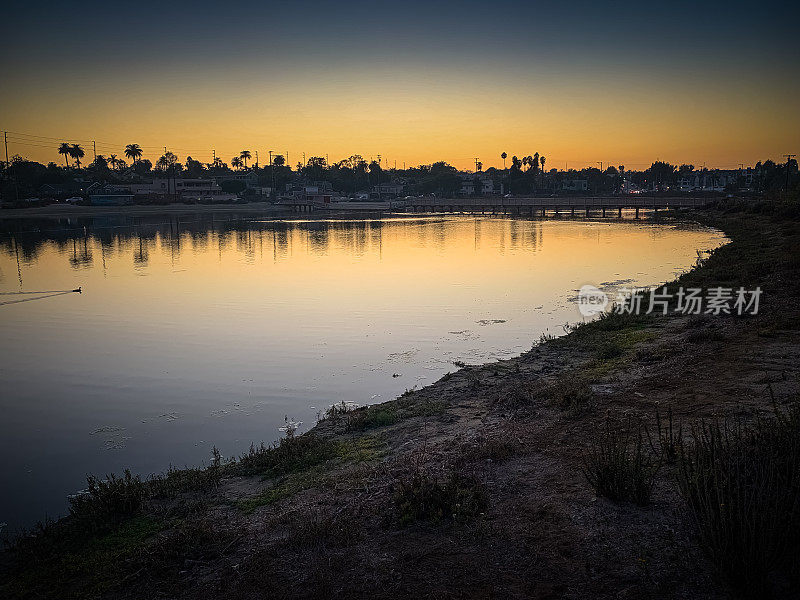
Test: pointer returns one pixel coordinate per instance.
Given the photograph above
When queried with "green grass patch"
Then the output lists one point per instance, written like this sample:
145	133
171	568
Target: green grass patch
385	414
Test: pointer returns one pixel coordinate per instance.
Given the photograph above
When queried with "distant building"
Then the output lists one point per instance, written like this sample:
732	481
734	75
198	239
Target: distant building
317	192
249	178
62	190
712	181
189	190
628	187
575	185
485	185
390	190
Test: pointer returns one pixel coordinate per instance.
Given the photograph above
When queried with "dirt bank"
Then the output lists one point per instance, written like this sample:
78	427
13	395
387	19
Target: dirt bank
472	487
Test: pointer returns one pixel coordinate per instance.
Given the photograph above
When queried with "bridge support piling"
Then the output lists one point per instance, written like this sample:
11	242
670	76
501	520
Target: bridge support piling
619	214
637	213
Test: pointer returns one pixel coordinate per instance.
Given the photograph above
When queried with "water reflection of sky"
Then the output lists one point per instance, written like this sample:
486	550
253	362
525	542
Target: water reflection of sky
204	330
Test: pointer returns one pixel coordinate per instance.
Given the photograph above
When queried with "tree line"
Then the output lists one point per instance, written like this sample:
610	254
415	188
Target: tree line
522	175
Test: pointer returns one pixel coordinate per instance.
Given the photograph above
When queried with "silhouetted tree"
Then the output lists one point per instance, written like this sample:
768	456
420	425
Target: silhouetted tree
134	152
77	153
66	150
244	155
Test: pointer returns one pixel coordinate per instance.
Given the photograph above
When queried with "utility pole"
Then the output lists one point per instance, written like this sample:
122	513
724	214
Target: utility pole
5	140
256	160
272	174
94	150
477	160
789	157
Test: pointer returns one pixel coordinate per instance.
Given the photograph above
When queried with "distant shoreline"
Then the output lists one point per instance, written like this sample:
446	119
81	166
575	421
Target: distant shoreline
66	210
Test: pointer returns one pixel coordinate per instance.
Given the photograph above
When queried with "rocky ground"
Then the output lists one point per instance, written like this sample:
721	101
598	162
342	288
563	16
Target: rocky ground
473	487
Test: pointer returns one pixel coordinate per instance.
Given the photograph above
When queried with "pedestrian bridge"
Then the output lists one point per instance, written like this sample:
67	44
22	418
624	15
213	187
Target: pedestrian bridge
533	206
598	205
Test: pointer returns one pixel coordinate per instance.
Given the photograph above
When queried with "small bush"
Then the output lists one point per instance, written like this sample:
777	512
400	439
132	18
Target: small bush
106	502
742	485
619	465
378	415
421	497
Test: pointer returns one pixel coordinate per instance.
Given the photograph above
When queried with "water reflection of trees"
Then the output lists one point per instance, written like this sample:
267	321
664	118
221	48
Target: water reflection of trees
79	239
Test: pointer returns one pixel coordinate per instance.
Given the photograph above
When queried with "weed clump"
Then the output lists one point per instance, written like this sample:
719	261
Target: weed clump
292	453
742	485
421	497
570	394
107	502
619	465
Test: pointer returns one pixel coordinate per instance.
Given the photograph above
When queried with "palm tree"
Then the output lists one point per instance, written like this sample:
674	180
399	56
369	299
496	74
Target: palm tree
504	156
236	162
112	160
541	160
244	155
76	152
64	149
134	152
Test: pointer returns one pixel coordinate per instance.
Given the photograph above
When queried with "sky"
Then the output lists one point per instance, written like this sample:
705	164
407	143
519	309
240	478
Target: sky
707	83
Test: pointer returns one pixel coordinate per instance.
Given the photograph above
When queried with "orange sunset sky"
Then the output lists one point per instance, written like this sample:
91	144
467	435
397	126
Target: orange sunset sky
706	84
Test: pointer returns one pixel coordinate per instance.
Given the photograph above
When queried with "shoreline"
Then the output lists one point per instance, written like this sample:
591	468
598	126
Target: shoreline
511	435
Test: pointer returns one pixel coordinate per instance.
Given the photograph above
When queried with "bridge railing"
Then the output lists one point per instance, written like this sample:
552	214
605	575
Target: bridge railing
565	202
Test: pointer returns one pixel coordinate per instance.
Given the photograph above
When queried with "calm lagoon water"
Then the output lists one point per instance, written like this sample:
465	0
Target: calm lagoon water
206	330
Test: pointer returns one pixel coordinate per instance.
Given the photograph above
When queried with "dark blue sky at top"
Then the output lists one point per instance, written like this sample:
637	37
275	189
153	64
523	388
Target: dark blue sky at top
352	35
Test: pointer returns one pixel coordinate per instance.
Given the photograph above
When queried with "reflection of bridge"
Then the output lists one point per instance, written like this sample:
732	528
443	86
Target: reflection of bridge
533	206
